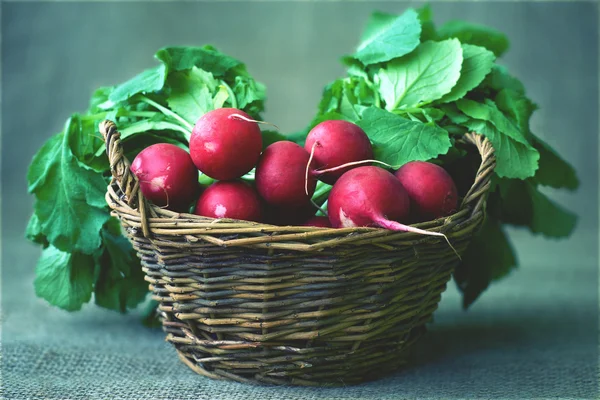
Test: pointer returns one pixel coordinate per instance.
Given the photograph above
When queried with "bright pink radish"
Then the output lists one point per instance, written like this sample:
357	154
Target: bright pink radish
167	176
322	222
367	196
233	199
280	175
371	196
431	190
337	142
225	143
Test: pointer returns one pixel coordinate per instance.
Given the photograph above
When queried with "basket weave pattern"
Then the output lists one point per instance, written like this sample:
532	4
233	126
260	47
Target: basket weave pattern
252	302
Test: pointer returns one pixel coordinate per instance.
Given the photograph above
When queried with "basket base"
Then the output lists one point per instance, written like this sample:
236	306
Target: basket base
322	366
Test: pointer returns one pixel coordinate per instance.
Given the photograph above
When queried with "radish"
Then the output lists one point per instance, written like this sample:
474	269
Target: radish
225	143
371	196
233	199
431	190
167	176
337	142
281	175
322	222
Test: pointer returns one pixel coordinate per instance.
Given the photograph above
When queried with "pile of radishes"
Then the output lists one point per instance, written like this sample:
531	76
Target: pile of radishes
226	144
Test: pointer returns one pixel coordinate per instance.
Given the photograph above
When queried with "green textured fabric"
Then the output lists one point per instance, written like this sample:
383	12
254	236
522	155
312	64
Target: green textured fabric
532	335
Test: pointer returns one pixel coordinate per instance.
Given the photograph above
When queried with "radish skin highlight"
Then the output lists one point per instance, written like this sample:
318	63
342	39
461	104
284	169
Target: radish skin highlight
229	199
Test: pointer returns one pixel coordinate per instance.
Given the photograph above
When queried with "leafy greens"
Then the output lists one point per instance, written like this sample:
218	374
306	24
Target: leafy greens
84	251
414	98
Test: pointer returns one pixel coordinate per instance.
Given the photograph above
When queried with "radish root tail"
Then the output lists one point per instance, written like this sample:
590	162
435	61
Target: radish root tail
397	226
241	117
312	153
350	164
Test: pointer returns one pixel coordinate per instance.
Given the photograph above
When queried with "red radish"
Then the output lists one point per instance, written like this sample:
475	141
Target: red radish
337	142
280	175
233	199
371	196
322	222
367	196
167	176
225	143
431	190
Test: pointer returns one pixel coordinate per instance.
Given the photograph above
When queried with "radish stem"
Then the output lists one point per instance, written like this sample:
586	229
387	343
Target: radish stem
350	164
239	116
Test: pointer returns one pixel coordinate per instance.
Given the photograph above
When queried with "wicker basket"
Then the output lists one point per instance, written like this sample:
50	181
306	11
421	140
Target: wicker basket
291	305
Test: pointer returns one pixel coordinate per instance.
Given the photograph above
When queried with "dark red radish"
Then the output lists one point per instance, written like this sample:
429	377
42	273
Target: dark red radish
229	199
280	175
225	143
318	221
371	197
284	216
337	142
167	176
431	190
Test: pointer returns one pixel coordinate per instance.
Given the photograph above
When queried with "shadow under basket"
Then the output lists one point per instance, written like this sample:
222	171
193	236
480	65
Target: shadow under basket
291	305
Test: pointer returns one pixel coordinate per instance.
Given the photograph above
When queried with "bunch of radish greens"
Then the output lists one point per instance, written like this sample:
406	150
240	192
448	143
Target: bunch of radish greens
413	89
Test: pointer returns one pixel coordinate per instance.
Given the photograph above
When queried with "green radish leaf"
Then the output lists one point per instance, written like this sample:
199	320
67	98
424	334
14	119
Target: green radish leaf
150	317
34	233
488	111
332	94
517	107
120	282
499	79
523	204
477	35
424	75
191	93
477	63
386	38
250	95
84	141
399	140
206	57
99	96
221	97
453	113
514	159
347	97
64	279
554	171
490	256
428	31
70	197
151	80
